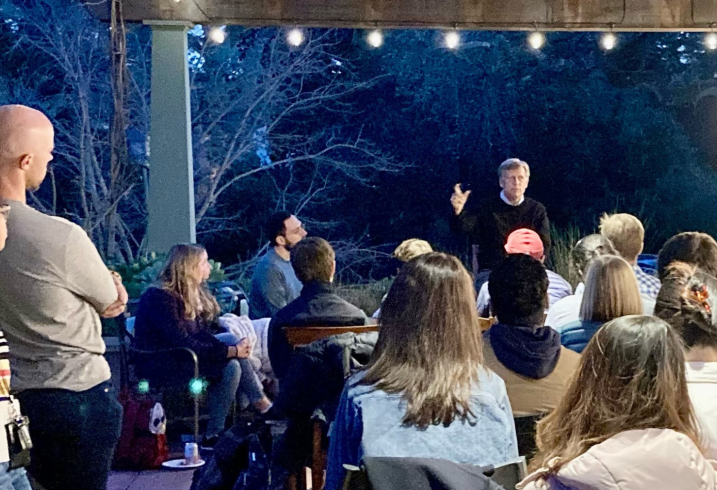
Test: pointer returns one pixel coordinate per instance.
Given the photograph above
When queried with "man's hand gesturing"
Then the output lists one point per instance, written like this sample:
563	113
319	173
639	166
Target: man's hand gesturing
459	198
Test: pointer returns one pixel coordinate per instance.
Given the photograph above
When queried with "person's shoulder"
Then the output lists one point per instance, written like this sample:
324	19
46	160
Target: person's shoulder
533	203
36	222
156	293
569	360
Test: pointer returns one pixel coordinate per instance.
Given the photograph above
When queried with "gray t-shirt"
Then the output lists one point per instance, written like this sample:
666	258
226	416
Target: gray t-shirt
273	285
53	283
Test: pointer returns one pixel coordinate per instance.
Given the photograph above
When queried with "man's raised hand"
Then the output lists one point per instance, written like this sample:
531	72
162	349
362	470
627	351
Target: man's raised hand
459	198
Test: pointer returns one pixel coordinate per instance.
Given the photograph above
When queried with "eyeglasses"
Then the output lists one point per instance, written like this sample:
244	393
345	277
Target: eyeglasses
5	211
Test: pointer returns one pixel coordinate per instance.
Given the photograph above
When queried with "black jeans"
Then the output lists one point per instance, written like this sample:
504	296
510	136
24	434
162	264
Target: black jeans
74	435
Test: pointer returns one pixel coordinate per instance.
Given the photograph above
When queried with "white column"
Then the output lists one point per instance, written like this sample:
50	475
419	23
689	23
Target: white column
171	217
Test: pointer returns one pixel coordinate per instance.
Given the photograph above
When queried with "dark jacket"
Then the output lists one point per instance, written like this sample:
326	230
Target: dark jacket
317	305
489	224
317	371
160	324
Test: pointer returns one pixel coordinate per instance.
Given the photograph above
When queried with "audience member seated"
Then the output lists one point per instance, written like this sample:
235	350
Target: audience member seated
610	292
567	310
425	392
525	241
314	261
525	354
178	311
698	249
688	302
274	283
407	250
626	421
627	234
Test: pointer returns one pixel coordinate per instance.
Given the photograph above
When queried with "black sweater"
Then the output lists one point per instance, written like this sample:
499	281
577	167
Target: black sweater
160	324
489	225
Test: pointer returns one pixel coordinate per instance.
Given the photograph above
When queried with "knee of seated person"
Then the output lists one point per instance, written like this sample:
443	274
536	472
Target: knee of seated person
233	368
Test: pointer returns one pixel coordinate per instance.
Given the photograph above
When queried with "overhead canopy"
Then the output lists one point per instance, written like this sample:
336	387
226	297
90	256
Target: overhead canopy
632	15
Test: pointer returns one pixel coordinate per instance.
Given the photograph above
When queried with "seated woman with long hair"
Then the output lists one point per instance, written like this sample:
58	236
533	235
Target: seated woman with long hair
611	291
425	392
688	302
179	311
626	422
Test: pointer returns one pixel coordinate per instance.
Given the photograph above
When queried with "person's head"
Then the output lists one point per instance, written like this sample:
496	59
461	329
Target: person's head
429	347
611	290
691	247
411	248
513	176
625	232
284	230
4	213
525	241
184	273
518	289
588	249
313	260
631	377
688	301
27	140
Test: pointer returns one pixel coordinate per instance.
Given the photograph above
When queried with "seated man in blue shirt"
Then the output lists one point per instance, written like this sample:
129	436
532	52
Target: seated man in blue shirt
527	242
274	283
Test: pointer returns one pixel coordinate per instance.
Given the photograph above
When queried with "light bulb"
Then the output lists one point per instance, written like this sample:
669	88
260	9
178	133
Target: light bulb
295	37
452	40
711	41
608	41
536	40
375	38
218	34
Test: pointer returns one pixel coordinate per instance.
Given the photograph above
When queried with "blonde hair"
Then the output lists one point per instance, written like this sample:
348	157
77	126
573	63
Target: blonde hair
411	248
631	377
177	277
625	232
611	290
513	164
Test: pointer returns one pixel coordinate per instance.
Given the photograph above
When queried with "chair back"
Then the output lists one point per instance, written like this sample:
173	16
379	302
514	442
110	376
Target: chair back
486	323
306	335
510	474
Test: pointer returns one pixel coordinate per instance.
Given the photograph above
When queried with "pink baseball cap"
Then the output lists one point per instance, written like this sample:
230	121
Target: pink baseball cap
525	241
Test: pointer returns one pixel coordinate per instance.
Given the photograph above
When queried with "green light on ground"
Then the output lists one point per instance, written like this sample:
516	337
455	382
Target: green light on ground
196	386
143	386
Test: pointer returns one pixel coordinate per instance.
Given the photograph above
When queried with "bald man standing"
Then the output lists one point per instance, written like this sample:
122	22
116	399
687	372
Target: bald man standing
54	287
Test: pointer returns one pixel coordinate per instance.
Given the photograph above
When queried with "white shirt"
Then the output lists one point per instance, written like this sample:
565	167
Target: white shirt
505	199
702	385
567	310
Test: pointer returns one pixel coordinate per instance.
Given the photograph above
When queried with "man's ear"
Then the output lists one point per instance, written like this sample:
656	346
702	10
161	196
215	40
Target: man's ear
280	240
25	161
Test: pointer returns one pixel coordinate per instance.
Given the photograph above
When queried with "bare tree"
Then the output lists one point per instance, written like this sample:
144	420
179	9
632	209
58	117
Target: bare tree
255	105
65	59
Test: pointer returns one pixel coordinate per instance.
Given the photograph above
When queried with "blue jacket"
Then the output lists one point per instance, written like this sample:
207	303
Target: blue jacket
369	423
576	335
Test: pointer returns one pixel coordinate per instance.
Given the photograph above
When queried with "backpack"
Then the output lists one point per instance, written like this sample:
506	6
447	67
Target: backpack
239	461
142	444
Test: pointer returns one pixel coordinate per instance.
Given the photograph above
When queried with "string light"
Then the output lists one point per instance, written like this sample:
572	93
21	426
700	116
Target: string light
452	39
218	34
295	37
711	41
536	40
608	41
375	38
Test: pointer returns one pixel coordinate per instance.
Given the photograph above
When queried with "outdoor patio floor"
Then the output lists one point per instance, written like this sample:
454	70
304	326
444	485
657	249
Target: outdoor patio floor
150	480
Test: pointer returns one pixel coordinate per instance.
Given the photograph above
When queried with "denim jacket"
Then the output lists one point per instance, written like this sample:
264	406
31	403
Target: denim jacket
368	423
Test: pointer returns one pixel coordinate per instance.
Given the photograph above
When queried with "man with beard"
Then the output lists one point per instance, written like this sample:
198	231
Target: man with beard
274	283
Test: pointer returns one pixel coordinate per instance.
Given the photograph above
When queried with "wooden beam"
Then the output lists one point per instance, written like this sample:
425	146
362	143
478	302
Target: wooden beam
622	15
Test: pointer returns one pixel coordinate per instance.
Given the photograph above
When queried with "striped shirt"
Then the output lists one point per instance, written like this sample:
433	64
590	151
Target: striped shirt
4	369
